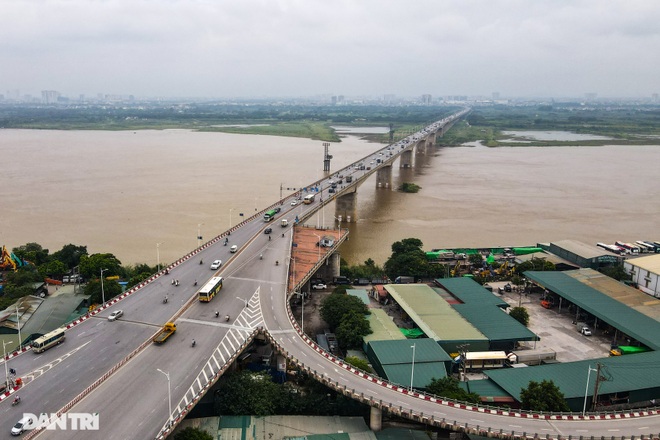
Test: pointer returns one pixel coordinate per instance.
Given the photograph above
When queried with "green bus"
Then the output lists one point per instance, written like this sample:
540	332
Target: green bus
270	215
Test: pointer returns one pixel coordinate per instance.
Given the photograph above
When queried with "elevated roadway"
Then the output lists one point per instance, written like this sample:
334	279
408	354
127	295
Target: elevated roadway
112	368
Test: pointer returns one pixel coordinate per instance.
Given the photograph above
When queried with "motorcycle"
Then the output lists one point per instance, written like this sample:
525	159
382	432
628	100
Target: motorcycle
226	317
16	401
277	263
165	300
194	343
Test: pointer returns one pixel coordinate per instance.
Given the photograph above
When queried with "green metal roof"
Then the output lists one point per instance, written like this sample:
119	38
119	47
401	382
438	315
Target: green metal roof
424	373
495	323
469	291
401	434
382	326
637	325
483	387
432	314
360	293
400	352
626	373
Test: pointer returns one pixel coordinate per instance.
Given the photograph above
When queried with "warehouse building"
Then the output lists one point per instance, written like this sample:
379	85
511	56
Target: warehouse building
645	272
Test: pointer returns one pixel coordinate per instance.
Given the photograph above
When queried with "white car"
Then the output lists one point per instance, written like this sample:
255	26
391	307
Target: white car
20	426
319	286
115	315
294	203
216	264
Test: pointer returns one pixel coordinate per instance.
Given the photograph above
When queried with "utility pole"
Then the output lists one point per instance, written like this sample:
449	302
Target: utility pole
599	378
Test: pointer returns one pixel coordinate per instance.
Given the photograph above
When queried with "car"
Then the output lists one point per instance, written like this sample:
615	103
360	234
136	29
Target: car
268	230
216	264
21	426
586	331
319	286
294	202
115	315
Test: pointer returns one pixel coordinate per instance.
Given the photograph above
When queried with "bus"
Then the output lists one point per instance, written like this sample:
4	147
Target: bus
48	340
269	215
209	290
309	198
610	247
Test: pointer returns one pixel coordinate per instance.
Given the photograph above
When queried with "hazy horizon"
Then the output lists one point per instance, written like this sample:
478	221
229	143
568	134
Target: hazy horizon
275	49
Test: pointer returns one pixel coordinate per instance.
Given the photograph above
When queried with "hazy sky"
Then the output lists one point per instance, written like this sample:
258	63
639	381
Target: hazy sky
279	48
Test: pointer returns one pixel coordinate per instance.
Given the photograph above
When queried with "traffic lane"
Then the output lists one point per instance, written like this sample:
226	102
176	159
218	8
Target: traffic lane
139	389
61	375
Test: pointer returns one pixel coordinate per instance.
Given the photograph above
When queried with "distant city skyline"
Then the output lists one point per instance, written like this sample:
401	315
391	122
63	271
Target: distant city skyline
265	49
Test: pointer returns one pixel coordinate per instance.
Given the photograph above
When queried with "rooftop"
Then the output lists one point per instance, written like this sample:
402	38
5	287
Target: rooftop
650	263
584	250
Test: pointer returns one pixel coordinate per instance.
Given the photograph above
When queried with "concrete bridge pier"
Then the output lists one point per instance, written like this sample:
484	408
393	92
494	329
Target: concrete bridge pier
406	159
333	264
376	419
345	205
384	177
421	147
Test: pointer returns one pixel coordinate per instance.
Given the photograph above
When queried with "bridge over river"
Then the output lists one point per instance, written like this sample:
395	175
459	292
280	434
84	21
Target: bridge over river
141	390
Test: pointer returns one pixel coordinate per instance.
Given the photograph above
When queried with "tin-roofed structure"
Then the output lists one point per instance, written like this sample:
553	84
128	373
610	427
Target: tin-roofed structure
469	291
383	327
436	318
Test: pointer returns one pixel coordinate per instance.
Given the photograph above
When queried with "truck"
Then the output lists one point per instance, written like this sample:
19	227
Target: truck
404	280
164	333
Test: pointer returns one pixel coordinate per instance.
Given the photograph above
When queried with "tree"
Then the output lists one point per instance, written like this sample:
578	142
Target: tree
449	387
190	433
247	393
111	288
53	268
91	265
535	264
335	306
408	259
520	314
617	272
32	252
475	259
352	329
544	396
358	363
70	255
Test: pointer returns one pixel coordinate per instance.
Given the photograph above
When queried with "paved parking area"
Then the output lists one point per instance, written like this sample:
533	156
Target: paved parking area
556	330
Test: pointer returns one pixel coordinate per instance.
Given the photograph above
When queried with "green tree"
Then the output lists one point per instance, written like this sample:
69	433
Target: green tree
449	387
70	255
247	393
32	252
616	272
352	329
91	265
111	288
335	306
535	264
520	314
476	259
408	259
544	396
53	268
191	433
358	363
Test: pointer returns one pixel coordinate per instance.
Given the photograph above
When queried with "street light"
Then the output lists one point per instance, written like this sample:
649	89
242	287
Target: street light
4	357
102	291
18	326
412	371
586	389
169	394
158	255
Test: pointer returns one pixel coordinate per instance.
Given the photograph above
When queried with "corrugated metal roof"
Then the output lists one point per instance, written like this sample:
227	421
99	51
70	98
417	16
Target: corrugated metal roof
495	323
650	263
483	387
360	293
627	373
469	291
581	249
424	373
383	327
433	315
401	434
637	325
400	352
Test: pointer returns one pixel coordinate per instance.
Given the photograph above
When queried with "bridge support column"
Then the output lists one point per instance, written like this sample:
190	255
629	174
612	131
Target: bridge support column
345	206
406	159
376	419
384	177
333	264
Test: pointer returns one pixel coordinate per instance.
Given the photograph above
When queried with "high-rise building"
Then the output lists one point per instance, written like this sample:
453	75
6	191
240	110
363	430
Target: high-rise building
49	96
426	99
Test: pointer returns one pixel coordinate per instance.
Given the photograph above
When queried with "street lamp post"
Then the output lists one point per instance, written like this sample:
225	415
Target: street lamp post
412	371
18	326
169	394
102	291
158	255
586	389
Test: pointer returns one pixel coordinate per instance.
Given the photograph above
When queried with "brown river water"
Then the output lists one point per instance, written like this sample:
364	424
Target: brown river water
124	192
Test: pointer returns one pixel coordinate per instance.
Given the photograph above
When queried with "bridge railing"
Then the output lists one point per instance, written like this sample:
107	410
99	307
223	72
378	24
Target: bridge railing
444	422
